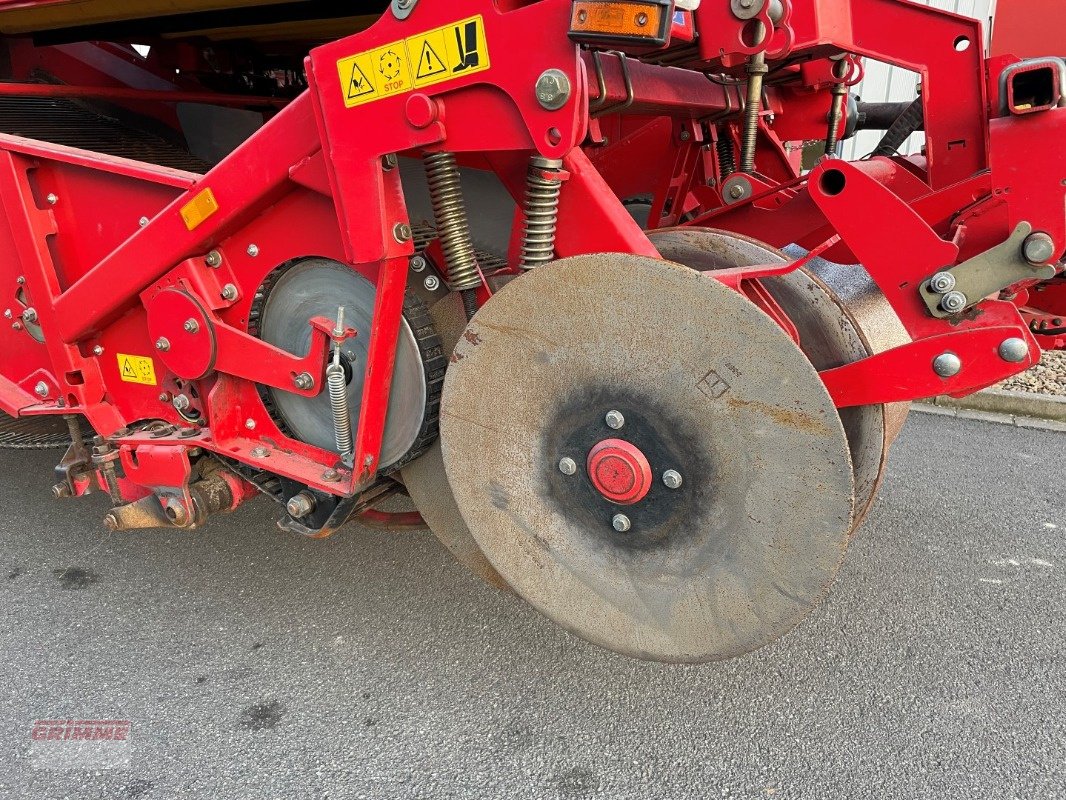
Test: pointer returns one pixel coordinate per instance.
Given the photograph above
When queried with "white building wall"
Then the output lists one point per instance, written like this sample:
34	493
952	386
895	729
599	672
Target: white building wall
883	82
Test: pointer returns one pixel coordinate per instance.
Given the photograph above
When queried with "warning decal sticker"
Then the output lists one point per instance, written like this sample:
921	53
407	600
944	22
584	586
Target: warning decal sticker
136	369
440	55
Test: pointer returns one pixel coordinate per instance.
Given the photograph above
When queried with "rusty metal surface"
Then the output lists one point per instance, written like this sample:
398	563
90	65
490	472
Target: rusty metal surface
764	515
829	335
426	480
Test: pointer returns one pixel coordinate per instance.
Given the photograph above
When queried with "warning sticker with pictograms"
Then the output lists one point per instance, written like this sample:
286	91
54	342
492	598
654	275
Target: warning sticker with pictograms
136	369
440	55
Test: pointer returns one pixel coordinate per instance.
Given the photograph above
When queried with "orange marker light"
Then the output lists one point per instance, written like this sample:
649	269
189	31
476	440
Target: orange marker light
611	21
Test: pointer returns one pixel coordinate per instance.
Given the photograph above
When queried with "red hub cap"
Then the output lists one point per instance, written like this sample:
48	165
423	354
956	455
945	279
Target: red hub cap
619	471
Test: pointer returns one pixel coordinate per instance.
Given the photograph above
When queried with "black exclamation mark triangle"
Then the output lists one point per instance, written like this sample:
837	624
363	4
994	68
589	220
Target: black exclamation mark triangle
430	63
360	85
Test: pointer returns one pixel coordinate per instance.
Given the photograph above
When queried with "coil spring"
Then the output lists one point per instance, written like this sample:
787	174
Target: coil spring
453	228
750	131
337	385
727	155
541	211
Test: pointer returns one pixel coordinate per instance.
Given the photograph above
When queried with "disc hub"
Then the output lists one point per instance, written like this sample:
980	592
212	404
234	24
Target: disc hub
620	471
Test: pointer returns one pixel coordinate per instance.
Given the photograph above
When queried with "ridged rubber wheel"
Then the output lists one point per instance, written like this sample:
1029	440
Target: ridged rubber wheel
729	560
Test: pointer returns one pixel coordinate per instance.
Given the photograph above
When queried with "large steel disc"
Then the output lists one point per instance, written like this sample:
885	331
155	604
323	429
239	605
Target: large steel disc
704	385
829	335
425	479
318	287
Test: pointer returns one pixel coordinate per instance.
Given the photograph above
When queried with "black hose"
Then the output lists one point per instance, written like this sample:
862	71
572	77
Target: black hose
910	121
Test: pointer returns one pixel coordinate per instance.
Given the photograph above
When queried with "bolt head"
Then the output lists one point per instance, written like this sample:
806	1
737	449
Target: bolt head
621	523
432	283
98	350
181	403
8	314
52	199
942	282
143	222
41	389
642	19
736	191
947	365
213	259
229	292
615	421
389	162
401	231
672	478
331	475
1039	248
304	381
253	250
553	89
1014	350
192	326
300	506
249	424
164	397
260	452
30	315
418	264
162	344
954	302
568	466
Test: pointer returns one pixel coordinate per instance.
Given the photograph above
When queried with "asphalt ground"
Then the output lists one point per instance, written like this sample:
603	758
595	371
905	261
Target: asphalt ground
251	664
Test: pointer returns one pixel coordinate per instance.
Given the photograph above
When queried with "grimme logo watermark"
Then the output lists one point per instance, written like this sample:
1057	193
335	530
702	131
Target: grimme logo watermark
80	743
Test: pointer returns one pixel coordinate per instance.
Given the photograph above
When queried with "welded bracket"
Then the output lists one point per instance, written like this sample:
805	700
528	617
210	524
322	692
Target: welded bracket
982	276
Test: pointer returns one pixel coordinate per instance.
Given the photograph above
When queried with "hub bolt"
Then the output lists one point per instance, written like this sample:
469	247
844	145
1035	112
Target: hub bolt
162	344
229	292
192	326
615	420
954	302
942	282
1039	248
213	259
672	479
432	283
41	389
568	466
304	381
621	523
300	506
1014	350
553	89
947	365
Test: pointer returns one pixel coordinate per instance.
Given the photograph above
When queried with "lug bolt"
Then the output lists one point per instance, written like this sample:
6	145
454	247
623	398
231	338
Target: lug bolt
672	479
304	381
1039	248
162	344
229	292
418	263
947	365
260	452
432	283
553	89
181	403
1014	350
192	326
567	466
615	420
954	302
621	523
213	259
98	350
253	250
300	506
41	389
942	282
401	231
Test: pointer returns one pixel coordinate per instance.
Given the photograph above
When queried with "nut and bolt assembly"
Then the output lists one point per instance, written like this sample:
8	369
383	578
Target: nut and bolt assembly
1038	248
29	316
162	344
213	259
942	283
553	89
191	326
181	403
418	263
301	505
229	292
954	302
432	283
304	382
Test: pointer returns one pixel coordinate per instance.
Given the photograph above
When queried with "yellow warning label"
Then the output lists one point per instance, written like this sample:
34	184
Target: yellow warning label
444	54
136	369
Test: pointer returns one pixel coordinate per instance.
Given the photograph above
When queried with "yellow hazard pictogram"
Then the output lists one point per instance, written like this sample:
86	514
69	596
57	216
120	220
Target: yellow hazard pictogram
443	54
136	369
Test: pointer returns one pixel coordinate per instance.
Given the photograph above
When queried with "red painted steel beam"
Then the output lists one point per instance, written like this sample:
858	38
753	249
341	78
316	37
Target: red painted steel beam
139	95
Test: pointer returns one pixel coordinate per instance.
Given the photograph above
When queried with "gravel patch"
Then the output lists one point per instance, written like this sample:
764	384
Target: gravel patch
1047	377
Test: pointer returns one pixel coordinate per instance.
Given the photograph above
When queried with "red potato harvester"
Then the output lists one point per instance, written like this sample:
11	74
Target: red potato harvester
553	268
